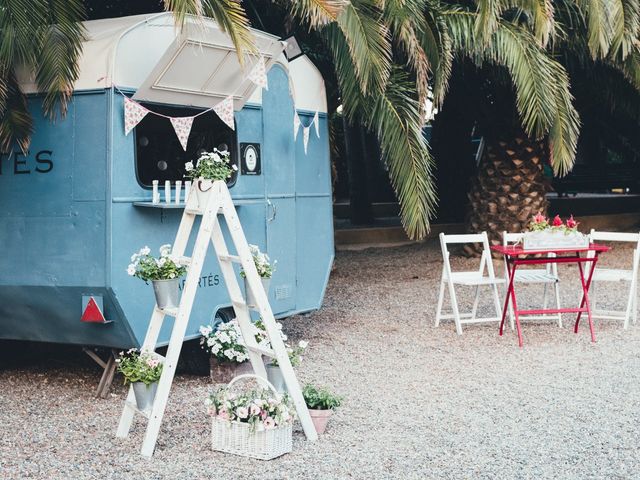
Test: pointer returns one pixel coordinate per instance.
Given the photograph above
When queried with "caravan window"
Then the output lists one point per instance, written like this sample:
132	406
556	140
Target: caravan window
159	155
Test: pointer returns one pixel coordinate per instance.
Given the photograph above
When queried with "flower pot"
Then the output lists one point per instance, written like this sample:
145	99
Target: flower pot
167	292
251	299
144	394
320	419
275	377
203	188
224	372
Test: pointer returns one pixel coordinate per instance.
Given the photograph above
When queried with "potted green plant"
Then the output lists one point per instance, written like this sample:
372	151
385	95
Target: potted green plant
164	273
265	270
141	369
228	353
210	167
321	404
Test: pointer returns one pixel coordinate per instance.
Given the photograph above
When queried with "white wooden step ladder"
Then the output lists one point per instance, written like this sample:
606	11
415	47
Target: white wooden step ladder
218	203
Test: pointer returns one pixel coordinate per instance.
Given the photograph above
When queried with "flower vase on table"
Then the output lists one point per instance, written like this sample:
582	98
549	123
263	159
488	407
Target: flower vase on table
545	235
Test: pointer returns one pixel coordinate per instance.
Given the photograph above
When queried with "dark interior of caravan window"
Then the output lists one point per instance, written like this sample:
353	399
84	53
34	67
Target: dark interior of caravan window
159	155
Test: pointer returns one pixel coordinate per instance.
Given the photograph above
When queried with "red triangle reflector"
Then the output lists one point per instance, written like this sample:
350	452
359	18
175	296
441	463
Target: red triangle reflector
92	313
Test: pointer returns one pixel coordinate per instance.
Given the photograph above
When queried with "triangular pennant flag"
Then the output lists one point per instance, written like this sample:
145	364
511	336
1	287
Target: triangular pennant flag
182	126
258	74
224	110
133	114
296	125
316	123
305	137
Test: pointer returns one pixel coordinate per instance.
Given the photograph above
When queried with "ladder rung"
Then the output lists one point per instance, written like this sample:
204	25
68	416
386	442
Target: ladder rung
193	211
264	351
134	407
230	258
169	311
184	261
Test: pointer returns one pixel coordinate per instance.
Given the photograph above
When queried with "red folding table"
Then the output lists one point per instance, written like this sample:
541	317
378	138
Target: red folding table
515	255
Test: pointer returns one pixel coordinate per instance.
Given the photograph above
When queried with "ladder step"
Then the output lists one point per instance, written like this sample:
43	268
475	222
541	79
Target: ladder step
230	258
134	407
184	261
168	311
193	211
267	352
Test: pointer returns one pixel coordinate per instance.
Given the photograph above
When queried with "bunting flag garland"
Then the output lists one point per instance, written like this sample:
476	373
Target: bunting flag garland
224	110
305	137
296	125
133	114
258	74
316	123
182	127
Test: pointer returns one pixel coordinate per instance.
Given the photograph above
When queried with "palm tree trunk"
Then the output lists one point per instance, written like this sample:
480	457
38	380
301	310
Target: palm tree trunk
510	187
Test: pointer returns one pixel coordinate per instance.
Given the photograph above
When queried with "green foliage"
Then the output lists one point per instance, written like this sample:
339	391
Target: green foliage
320	398
136	366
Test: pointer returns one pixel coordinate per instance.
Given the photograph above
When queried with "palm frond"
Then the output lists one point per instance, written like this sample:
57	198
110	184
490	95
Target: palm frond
436	42
407	23
626	26
394	115
317	12
16	125
600	15
543	98
58	61
368	41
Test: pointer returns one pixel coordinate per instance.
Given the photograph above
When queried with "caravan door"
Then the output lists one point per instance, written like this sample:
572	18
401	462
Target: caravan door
279	170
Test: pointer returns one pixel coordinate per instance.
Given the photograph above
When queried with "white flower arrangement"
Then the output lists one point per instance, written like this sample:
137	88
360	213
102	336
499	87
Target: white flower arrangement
214	165
226	342
262	262
260	408
146	267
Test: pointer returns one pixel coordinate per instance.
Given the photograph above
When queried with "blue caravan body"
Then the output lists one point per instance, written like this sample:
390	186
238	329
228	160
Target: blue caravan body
77	205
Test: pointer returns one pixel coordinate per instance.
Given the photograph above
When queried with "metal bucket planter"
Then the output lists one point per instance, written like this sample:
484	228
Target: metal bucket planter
144	394
167	292
275	377
320	419
203	188
224	372
251	299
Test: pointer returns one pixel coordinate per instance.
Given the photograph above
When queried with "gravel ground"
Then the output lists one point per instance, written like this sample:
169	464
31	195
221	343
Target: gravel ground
420	402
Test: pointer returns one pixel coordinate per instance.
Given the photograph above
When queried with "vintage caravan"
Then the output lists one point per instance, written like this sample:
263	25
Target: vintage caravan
78	203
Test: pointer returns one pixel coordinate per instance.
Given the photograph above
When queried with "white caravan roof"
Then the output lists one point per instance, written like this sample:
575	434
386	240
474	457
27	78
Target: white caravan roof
197	66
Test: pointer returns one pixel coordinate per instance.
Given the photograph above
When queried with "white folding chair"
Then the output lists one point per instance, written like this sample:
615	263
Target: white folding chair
476	278
547	276
617	275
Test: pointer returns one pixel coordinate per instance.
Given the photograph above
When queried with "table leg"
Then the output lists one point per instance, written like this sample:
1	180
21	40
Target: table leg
511	274
515	305
585	298
593	267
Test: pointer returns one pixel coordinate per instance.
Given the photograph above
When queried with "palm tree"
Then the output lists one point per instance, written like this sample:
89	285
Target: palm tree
592	41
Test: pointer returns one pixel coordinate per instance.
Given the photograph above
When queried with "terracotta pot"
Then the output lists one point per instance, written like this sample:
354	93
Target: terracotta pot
224	372
320	419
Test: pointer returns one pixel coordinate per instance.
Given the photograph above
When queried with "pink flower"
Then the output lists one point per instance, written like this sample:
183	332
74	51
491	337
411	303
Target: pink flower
571	223
254	410
539	218
264	414
269	422
242	412
557	221
223	414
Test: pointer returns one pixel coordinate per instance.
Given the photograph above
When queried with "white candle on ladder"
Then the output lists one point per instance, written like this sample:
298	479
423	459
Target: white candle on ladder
167	191
178	190
155	196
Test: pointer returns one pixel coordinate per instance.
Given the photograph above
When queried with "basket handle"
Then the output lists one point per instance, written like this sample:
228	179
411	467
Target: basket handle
264	381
